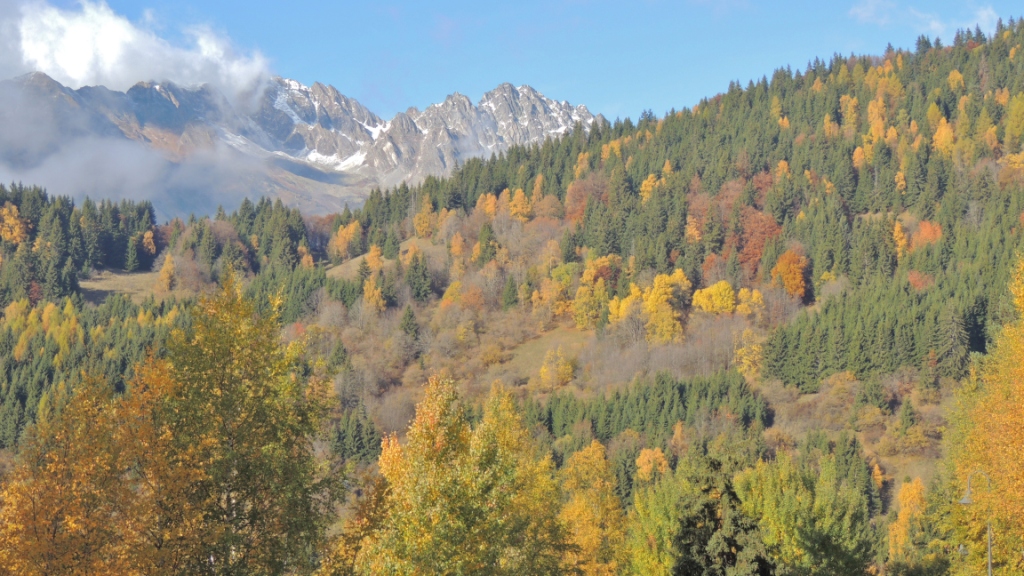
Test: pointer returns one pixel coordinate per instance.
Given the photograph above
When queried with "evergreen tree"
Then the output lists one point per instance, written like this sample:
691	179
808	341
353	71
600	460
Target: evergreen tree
391	245
907	417
364	271
510	294
409	324
951	344
488	244
131	257
418	278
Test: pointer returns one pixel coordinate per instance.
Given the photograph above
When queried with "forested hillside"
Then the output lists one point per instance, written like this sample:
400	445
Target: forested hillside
769	334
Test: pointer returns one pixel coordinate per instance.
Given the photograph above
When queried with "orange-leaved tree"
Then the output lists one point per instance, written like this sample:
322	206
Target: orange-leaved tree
791	272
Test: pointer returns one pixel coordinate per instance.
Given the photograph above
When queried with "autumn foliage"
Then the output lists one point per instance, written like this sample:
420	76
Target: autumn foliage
464	500
791	273
204	464
990	438
927	233
345	239
12	227
593	513
718	298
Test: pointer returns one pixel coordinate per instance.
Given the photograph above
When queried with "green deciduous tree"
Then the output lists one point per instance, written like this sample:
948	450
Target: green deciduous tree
813	521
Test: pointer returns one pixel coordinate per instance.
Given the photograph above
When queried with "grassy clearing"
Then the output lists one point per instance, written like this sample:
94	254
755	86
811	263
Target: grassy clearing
528	357
138	285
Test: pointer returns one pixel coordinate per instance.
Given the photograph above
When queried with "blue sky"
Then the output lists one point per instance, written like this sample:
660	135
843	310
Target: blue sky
617	58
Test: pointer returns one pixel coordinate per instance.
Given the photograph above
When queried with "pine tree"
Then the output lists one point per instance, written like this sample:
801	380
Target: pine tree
391	245
338	360
488	244
409	324
951	344
907	416
131	257
418	278
364	270
510	294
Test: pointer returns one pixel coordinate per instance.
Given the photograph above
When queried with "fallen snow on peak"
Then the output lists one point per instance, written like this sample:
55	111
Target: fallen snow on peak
297	86
336	163
376	130
352	161
281	103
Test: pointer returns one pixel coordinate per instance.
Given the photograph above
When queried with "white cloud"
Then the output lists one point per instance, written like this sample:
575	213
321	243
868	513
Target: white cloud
885	12
926	23
93	45
872	11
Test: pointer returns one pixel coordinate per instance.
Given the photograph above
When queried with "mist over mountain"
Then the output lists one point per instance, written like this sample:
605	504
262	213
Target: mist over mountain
191	148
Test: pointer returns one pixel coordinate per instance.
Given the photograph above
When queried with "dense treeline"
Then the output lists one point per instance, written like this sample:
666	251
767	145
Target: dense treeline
47	242
57	344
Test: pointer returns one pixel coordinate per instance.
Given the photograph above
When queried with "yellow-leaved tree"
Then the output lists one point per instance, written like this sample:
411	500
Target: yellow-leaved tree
12	228
375	258
373	295
659	308
592	296
346	239
100	486
943	138
647	187
663	305
988	436
589	304
425	220
520	206
167	278
719	298
465	501
749	302
620	309
911	502
899	237
593	513
557	369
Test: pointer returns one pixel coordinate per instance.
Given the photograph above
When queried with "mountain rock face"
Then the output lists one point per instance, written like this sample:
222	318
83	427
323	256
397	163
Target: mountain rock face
309	145
322	126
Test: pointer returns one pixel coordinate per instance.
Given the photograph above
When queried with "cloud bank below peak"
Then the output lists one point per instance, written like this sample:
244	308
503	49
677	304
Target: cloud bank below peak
91	45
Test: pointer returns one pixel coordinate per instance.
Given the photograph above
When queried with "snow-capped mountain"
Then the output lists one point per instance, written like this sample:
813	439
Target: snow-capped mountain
321	126
310	145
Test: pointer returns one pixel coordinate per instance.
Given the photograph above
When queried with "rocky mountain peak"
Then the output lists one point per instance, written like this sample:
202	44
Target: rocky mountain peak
311	132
